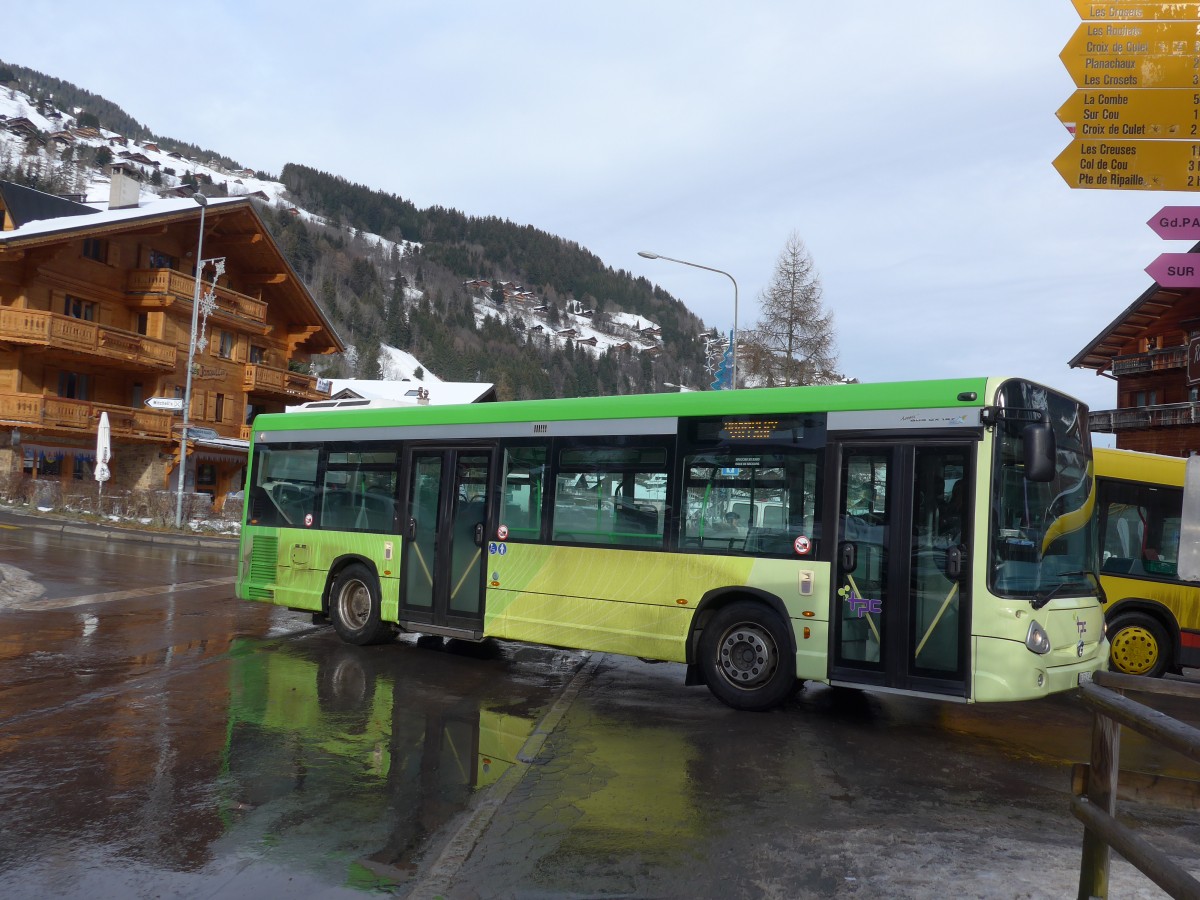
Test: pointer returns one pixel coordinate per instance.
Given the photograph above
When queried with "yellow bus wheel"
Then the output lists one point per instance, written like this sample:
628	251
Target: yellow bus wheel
1140	645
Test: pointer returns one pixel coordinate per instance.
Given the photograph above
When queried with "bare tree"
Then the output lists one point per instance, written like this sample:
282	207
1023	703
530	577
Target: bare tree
794	341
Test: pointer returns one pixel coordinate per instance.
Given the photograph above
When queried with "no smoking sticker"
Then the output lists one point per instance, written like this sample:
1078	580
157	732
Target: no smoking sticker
802	545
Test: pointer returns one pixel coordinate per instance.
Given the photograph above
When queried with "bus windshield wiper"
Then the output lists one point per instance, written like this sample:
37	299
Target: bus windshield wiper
1041	599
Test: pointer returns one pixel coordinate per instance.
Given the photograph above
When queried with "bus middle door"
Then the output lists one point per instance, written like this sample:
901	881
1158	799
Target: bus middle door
901	614
444	548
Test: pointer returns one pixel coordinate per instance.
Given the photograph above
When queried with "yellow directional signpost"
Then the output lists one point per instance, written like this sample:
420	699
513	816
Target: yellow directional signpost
1131	165
1129	55
1135	10
1135	117
1166	113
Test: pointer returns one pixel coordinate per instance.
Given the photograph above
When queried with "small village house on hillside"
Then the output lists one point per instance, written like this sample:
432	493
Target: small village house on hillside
95	316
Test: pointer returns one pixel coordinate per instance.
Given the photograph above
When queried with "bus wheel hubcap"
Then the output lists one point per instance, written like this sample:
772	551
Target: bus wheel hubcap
747	656
355	604
1134	650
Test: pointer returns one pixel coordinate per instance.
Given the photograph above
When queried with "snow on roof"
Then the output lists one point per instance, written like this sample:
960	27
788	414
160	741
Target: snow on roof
441	393
105	216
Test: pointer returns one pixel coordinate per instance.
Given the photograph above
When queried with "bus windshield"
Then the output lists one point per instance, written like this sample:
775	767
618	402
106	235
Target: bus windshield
1042	535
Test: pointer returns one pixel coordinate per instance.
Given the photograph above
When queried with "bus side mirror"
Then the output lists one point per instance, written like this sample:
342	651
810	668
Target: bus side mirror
1037	441
1189	523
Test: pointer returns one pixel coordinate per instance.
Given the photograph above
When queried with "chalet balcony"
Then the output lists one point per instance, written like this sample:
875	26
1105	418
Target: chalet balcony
112	346
281	383
1140	417
1151	361
143	282
63	415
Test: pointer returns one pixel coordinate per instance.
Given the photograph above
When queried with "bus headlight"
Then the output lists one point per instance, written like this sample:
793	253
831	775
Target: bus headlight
1037	640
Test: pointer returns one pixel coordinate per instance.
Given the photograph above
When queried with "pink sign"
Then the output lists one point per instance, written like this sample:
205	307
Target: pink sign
1176	270
1177	223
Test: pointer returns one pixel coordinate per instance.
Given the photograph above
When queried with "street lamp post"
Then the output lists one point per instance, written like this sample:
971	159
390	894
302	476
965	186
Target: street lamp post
733	346
187	389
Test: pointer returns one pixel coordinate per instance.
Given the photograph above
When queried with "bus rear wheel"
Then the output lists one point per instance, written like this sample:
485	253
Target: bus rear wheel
355	607
1140	645
745	659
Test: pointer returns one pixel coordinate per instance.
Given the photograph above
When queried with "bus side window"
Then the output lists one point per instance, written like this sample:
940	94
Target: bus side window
751	501
611	495
523	490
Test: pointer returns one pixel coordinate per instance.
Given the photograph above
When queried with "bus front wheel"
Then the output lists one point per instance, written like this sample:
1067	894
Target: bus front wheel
745	659
354	607
1140	645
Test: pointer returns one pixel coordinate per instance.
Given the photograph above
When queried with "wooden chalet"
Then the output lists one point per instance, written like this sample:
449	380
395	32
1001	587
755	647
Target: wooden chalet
95	316
1152	351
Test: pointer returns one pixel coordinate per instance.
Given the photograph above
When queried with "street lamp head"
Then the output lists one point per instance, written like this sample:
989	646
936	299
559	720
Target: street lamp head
200	198
647	254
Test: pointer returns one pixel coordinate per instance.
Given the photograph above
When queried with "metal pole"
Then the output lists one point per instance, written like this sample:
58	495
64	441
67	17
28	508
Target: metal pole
733	347
187	389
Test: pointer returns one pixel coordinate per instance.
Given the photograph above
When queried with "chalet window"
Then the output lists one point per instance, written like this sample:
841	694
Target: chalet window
159	260
219	415
79	309
74	385
257	354
225	350
95	248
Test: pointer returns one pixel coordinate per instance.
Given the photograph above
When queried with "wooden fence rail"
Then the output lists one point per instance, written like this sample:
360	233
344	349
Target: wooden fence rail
1102	692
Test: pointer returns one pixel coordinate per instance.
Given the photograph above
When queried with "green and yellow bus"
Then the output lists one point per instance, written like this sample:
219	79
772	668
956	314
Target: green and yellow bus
1153	615
932	538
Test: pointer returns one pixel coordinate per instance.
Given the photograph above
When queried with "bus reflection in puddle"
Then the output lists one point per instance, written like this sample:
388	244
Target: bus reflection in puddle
334	750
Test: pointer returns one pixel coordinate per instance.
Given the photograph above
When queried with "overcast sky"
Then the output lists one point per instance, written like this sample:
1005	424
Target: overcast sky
909	145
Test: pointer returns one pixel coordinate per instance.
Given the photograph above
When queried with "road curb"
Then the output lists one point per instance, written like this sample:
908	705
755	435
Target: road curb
106	533
438	880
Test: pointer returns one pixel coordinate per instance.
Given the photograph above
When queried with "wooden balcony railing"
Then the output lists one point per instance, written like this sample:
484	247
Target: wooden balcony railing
295	386
1151	361
1144	417
82	416
34	327
168	281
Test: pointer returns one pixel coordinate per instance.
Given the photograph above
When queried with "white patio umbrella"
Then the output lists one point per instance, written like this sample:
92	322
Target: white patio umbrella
103	453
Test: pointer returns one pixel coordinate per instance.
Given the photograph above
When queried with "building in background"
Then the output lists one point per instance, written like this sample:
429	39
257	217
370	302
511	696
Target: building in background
1152	351
95	316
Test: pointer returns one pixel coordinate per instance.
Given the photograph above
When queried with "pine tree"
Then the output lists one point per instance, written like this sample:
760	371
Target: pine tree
794	341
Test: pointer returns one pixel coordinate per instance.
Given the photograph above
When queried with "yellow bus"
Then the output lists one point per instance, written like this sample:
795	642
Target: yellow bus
1153	616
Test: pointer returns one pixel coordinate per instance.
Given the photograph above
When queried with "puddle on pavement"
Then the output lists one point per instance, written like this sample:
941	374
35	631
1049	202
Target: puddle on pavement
349	759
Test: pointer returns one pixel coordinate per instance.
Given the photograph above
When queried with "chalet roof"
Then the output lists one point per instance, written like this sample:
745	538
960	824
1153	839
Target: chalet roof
232	227
26	205
1154	303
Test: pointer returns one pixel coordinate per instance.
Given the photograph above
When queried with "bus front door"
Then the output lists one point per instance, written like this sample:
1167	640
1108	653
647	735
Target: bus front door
900	610
443	554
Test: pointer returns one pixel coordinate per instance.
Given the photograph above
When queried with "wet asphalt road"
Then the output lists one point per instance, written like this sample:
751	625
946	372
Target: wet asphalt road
159	738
